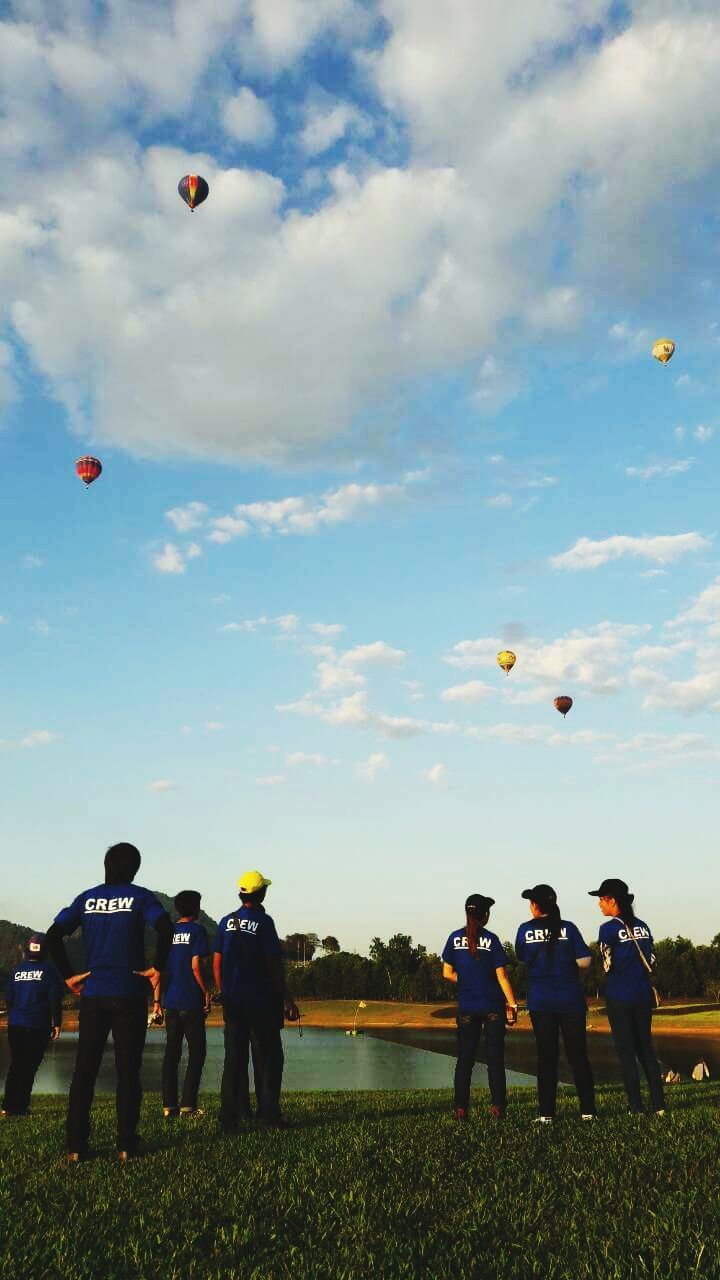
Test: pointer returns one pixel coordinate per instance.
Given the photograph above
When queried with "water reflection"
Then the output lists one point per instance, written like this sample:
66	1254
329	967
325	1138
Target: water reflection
321	1059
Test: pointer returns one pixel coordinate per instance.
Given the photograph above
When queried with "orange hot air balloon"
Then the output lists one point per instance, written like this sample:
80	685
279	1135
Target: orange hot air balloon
506	660
193	190
563	704
88	469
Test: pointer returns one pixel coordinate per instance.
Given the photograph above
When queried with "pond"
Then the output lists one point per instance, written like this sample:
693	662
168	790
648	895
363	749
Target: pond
320	1059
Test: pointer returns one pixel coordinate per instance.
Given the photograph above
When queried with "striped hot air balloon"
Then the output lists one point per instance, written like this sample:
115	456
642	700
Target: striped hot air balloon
193	189
88	468
563	704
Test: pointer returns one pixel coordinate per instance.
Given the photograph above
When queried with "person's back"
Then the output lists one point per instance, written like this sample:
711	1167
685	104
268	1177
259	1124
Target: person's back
554	980
112	919
33	987
187	1003
248	938
478	988
34	1002
623	947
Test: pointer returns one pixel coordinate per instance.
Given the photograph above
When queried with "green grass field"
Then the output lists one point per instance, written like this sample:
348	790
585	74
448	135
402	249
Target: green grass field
381	1183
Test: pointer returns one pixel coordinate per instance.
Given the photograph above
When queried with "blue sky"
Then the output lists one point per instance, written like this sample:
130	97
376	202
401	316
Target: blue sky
383	405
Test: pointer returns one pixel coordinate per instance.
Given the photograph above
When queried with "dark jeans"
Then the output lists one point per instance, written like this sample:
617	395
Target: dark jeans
241	1024
188	1024
548	1027
469	1029
631	1027
27	1050
126	1018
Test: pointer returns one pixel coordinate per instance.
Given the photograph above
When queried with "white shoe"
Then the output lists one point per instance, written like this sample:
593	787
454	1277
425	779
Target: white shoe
588	1117
544	1120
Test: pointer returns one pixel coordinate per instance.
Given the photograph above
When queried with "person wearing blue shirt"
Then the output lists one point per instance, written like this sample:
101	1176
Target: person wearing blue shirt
112	917
626	947
475	959
554	951
34	1002
187	1004
249	974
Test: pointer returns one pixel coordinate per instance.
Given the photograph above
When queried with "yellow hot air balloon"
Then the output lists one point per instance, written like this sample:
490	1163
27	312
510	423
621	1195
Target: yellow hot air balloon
506	660
663	350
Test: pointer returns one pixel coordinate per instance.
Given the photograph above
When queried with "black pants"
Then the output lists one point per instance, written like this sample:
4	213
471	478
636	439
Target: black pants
241	1024
188	1024
27	1050
548	1027
469	1029
631	1027
126	1018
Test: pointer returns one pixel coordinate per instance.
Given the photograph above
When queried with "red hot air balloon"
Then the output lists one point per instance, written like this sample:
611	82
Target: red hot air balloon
193	189
563	704
88	469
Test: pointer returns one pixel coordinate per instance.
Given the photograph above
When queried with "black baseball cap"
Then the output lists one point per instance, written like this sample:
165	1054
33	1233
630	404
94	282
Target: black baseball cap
611	889
478	904
543	894
35	946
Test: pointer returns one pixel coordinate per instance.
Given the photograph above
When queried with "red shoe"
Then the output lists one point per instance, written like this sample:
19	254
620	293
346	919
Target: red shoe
497	1113
460	1113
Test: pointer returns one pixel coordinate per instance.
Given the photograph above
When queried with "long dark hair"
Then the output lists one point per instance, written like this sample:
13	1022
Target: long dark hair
553	920
625	903
475	921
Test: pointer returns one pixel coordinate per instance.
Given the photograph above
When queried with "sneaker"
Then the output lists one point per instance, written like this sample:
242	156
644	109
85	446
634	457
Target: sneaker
590	1116
460	1113
169	1113
497	1113
192	1113
543	1120
661	1112
76	1157
277	1123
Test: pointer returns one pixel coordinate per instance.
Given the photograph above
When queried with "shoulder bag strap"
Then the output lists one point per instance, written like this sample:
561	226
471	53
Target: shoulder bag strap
640	951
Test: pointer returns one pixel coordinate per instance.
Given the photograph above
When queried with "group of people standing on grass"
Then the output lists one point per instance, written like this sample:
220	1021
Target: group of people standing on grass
249	976
555	954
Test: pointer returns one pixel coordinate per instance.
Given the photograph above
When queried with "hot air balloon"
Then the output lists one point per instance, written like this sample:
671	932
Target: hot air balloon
663	350
506	660
88	469
193	190
563	704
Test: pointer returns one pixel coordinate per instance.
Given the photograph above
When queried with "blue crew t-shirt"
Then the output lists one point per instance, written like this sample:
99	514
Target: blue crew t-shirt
32	988
247	939
112	918
182	990
553	978
478	988
627	981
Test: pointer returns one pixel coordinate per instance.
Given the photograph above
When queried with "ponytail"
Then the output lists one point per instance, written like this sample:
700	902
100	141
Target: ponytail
472	929
552	927
625	903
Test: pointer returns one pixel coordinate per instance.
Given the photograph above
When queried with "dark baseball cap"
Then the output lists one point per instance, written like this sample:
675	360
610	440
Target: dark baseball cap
478	904
543	894
35	945
611	889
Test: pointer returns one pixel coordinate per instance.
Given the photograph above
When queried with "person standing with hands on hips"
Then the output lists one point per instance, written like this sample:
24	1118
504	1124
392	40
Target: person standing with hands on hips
249	974
554	951
112	917
626	947
187	1004
34	1004
475	959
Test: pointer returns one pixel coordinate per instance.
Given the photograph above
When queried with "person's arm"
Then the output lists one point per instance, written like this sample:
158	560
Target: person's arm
276	973
449	973
217	971
200	979
583	958
58	955
510	1001
56	1015
583	962
163	927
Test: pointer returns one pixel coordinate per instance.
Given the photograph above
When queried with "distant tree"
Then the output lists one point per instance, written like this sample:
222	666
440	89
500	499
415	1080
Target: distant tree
517	972
398	958
330	944
301	947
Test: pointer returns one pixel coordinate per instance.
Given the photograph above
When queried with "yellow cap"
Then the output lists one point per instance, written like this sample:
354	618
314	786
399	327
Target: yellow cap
251	881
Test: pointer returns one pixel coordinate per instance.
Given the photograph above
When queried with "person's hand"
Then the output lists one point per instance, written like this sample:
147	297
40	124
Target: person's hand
207	1003
77	982
510	1015
292	1013
54	1033
153	975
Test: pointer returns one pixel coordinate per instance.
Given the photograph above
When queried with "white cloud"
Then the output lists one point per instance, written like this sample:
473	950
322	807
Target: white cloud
303	515
170	559
500	500
663	548
162	785
704	434
287	622
472	691
223	598
636	341
370	768
40	627
248	119
378	654
510	734
38	738
213	726
663	469
353	712
594	659
191	516
329	119
679	433
437	775
647	752
271	780
302	757
248	624
32	562
327	628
